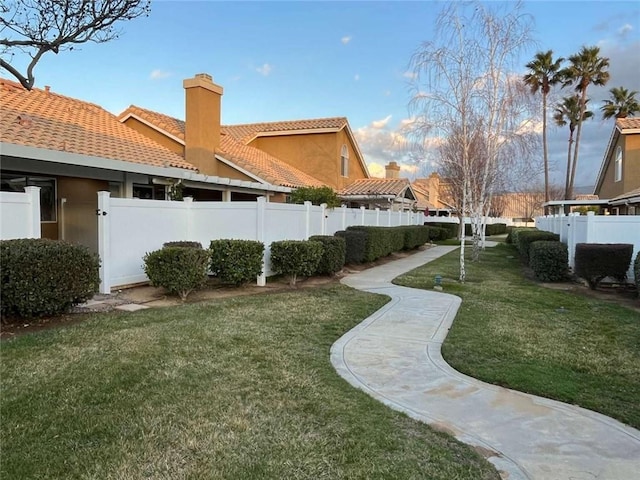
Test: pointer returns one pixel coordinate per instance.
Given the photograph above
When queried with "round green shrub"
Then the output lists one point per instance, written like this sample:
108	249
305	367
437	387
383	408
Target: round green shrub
45	277
236	261
595	261
356	241
333	254
525	238
295	258
549	260
177	269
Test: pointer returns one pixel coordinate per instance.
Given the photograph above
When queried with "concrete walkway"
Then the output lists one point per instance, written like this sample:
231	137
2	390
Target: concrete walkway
394	355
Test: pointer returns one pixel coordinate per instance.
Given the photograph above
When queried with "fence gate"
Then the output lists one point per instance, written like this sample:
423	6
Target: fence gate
79	223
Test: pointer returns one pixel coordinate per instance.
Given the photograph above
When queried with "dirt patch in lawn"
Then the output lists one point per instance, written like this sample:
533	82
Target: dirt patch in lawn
148	296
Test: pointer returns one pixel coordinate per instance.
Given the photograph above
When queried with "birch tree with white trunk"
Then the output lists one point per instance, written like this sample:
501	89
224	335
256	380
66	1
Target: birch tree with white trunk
467	93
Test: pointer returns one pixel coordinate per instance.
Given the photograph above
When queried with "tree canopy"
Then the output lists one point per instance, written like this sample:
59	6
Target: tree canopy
36	27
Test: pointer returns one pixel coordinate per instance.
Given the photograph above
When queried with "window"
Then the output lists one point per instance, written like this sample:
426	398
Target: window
149	192
618	174
344	161
15	182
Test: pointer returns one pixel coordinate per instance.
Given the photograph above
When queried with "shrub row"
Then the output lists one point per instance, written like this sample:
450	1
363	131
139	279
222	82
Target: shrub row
596	261
295	257
333	254
451	229
525	238
549	260
367	244
45	277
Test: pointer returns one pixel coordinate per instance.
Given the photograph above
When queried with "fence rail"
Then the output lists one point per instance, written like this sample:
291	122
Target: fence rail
591	228
20	214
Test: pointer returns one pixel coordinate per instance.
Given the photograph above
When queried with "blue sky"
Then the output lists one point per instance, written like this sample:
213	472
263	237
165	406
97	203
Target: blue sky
291	60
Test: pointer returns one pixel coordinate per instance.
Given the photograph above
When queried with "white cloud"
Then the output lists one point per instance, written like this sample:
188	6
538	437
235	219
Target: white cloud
356	77
381	123
376	169
265	69
346	39
410	75
159	74
623	30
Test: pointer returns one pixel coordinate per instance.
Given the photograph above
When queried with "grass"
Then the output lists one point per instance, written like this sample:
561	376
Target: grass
510	331
240	388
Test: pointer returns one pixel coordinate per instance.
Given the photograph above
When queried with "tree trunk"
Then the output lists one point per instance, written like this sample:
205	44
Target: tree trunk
545	152
583	106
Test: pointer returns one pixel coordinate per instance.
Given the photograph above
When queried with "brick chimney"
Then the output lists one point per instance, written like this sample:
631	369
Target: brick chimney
392	170
202	122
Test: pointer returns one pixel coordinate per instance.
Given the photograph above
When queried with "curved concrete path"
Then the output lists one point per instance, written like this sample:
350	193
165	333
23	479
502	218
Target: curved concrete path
394	355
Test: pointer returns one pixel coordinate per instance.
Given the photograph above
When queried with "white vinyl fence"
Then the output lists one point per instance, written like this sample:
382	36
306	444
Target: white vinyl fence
129	228
591	228
490	220
20	214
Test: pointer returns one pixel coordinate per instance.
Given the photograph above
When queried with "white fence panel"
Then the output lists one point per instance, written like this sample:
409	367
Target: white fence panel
590	228
20	214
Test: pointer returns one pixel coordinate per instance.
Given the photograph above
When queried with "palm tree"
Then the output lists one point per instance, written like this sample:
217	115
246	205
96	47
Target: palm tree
544	72
622	104
586	67
567	112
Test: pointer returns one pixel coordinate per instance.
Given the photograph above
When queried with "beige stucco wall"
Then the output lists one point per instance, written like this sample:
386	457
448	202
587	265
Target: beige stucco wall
317	154
630	144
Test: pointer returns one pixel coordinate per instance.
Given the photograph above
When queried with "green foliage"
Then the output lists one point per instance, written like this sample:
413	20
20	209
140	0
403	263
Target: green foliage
182	244
496	229
45	277
450	228
584	210
236	261
437	233
549	260
316	195
177	269
380	241
513	232
333	253
295	257
595	261
416	236
527	237
356	242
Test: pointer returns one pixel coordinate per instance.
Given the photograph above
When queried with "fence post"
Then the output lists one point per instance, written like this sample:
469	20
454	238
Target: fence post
307	223
377	216
591	225
261	207
571	224
34	211
389	217
344	217
323	225
362	215
188	201
399	217
104	240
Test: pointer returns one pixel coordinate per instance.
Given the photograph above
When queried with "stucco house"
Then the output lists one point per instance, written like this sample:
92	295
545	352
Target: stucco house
72	149
619	176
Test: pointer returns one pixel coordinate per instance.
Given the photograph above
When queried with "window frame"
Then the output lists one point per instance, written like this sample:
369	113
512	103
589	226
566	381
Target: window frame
344	161
31	180
617	174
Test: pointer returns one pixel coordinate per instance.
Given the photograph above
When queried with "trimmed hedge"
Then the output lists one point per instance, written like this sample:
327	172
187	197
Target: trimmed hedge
333	253
236	261
182	244
415	236
527	237
355	241
179	270
295	257
549	260
513	232
380	241
595	261
450	228
45	277
437	233
496	229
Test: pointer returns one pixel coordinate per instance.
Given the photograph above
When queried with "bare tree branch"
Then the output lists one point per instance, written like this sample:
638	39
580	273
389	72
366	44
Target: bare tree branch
36	27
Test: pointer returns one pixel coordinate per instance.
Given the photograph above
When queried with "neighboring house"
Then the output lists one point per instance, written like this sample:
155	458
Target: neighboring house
619	176
72	149
434	194
389	193
296	153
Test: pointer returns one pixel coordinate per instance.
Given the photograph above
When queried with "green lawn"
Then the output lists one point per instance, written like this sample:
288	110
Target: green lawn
240	388
512	332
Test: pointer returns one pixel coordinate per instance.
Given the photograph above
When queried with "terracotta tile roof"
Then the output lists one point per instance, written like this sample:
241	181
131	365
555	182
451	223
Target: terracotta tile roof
246	132
630	122
376	186
630	194
43	119
261	164
169	124
422	196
